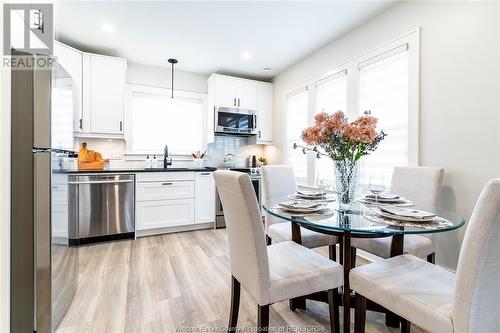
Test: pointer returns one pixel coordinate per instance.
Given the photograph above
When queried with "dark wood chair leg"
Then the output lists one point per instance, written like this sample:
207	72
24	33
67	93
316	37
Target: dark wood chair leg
341	249
333	306
432	258
360	314
353	257
268	240
235	304
263	318
297	303
332	252
405	326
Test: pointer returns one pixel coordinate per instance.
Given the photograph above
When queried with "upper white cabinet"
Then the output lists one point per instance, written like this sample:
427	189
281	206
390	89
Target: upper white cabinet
233	92
71	61
99	91
247	94
104	94
265	114
225	91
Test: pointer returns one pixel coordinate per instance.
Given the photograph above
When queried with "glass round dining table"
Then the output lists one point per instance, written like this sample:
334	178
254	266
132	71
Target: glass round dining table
358	220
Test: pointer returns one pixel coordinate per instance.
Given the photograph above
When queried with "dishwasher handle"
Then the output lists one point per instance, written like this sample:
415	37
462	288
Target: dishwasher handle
102	182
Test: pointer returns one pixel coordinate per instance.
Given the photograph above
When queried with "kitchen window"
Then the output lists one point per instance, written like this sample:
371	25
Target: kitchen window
384	81
296	120
331	96
155	119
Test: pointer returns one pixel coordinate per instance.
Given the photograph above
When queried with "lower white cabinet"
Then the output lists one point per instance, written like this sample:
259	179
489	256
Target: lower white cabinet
164	213
174	199
204	197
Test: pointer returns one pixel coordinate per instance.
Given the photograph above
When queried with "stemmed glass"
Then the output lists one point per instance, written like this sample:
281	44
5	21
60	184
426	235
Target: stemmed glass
376	185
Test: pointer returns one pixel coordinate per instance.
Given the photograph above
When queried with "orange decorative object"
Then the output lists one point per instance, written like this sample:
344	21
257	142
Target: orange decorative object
90	160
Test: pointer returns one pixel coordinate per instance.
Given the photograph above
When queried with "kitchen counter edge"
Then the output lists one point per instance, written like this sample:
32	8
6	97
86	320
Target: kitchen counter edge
205	169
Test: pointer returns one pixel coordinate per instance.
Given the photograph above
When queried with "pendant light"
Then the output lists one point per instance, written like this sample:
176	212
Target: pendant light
172	61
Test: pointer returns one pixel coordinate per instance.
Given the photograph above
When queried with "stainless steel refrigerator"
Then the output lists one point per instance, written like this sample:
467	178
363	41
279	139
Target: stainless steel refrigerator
44	268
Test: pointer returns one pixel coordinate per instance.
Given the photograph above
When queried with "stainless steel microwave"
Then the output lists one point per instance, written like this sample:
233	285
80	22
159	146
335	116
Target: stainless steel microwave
235	121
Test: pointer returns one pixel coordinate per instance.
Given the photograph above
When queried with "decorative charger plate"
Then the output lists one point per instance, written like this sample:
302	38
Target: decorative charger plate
436	223
325	212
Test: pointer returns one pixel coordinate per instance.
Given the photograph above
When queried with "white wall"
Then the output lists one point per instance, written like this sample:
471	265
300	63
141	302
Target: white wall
459	104
149	76
4	194
161	77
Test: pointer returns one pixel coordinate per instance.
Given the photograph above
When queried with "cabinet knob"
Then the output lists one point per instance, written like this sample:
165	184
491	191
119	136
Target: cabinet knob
80	123
234	101
238	102
259	135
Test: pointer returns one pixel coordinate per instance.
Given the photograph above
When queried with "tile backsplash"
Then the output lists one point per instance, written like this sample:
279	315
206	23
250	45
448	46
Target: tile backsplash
114	150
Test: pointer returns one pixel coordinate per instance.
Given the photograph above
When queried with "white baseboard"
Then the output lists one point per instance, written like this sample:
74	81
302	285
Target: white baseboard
169	230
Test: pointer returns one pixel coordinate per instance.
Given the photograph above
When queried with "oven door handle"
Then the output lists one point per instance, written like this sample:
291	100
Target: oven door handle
102	182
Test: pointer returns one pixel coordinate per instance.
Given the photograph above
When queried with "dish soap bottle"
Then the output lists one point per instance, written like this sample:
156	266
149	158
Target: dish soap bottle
148	162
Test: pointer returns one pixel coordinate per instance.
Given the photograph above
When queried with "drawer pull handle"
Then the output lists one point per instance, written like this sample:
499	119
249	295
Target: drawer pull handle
167	183
205	173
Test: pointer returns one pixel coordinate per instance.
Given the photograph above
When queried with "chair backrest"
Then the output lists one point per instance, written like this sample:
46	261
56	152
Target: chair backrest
247	244
277	181
420	184
476	302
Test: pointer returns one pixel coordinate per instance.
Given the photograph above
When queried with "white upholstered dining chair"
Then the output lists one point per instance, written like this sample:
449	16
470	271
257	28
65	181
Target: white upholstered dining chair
422	185
279	181
434	298
269	273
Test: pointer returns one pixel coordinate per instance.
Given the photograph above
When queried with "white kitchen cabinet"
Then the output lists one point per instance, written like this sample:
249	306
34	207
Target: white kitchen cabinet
164	213
104	94
165	190
71	60
204	197
265	114
247	94
225	91
233	92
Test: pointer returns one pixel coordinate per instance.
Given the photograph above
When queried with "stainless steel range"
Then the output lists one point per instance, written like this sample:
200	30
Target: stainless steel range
254	174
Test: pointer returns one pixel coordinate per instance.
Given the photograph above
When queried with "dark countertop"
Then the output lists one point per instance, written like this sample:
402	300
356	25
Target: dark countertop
206	169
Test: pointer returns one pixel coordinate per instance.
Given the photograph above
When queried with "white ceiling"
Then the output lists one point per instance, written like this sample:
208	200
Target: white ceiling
210	36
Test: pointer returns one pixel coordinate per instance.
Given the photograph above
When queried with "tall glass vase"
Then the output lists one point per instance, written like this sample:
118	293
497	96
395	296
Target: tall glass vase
346	181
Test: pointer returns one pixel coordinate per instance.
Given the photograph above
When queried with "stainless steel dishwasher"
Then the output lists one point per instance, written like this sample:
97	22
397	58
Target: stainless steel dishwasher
101	207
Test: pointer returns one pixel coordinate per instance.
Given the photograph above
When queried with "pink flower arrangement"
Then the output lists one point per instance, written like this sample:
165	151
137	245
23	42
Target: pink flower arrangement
340	139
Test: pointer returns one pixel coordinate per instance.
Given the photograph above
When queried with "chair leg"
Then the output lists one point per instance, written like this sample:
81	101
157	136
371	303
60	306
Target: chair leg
333	307
297	303
263	318
268	240
353	257
360	314
405	326
235	304
432	258
332	252
341	249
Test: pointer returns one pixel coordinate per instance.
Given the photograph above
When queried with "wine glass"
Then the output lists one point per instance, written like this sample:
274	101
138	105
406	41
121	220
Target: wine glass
376	185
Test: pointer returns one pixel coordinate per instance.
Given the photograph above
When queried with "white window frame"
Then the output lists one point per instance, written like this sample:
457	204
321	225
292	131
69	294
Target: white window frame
351	67
128	132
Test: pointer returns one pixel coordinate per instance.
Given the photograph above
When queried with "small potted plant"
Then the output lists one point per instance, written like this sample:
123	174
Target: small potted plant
262	160
198	158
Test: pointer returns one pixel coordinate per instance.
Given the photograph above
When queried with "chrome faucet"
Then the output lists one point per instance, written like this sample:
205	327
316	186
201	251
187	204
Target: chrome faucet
166	159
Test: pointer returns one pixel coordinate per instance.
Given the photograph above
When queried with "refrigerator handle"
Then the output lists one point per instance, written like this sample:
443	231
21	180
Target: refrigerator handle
42	240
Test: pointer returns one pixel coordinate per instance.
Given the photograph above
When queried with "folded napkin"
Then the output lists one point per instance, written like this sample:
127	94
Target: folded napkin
299	205
403	212
383	196
311	193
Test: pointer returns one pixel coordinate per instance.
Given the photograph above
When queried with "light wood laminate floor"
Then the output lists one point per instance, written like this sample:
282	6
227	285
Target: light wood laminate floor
174	283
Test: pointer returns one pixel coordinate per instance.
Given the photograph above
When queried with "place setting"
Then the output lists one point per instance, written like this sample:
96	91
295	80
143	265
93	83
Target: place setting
312	195
379	198
405	217
304	208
